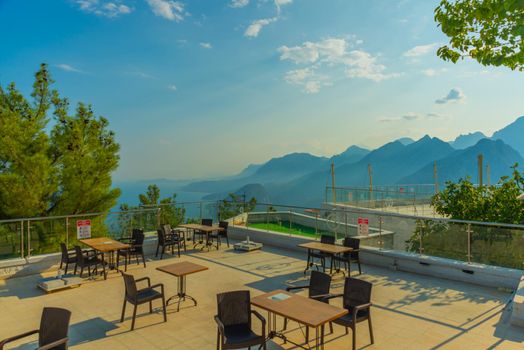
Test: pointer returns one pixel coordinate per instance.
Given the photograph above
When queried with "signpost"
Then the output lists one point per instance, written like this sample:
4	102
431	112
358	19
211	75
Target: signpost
83	229
363	226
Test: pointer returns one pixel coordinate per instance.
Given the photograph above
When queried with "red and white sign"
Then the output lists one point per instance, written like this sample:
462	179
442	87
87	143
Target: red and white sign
363	226
83	229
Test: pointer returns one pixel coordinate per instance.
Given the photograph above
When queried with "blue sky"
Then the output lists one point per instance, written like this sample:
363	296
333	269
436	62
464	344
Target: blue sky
202	88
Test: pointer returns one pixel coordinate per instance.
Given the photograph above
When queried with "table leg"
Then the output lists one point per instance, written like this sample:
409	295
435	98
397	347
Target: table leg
181	295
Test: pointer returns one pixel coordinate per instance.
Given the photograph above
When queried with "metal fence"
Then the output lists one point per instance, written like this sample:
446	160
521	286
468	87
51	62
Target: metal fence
473	242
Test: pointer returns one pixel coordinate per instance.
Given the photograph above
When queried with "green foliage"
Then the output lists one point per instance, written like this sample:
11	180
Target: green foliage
27	177
235	205
489	31
157	211
68	172
496	203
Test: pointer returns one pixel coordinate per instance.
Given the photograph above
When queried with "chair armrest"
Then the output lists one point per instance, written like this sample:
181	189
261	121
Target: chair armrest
297	287
262	320
16	337
363	306
161	285
54	344
144	279
219	324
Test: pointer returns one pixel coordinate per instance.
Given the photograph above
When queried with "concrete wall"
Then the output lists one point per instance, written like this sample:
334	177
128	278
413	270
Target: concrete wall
484	275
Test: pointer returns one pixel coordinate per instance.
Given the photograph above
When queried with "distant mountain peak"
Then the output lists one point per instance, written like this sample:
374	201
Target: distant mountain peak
467	140
405	140
512	135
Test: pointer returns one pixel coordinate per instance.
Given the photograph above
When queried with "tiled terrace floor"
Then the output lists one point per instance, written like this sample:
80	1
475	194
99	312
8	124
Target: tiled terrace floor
410	312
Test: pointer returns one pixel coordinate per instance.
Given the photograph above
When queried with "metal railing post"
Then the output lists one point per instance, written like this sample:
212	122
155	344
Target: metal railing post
67	231
346	222
469	232
28	238
201	209
158	217
380	242
22	239
421	232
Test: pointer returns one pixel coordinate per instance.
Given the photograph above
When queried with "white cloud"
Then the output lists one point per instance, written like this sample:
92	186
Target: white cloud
430	72
420	50
362	64
307	79
172	87
256	26
206	45
104	8
171	10
454	95
68	68
411	116
333	53
279	3
239	3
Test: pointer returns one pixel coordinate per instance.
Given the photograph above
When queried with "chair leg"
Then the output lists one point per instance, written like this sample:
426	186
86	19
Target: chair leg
150	307
218	339
354	336
61	264
67	265
134	317
157	246
137	262
143	259
75	268
227	240
164	306
285	324
162	252
81	271
178	247
104	270
359	269
123	311
117	260
370	329
307	334
126	260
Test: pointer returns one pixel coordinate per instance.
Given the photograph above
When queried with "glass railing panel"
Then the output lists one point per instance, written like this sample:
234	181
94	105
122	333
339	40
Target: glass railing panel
496	245
10	240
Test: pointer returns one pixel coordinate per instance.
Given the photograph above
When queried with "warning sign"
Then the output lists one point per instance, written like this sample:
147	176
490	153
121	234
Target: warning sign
363	226
83	229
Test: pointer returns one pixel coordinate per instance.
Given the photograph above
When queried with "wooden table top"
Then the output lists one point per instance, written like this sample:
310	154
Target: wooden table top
326	248
200	227
182	268
104	244
299	308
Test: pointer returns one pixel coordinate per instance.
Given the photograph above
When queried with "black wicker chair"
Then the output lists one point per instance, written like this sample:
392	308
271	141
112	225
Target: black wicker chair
136	296
166	241
136	249
357	300
68	257
89	259
234	322
218	235
200	236
353	256
52	334
318	288
327	239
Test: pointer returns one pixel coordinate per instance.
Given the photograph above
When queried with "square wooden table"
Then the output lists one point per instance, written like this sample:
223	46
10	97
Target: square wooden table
306	311
105	245
181	270
204	228
332	249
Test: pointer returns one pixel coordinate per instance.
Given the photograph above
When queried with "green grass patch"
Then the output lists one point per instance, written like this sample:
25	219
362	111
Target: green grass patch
286	227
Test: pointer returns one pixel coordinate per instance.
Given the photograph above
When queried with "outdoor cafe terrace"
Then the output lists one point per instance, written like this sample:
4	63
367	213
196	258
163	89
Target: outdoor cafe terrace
409	311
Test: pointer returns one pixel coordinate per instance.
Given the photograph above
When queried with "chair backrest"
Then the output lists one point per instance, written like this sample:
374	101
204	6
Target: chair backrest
224	225
161	237
63	248
234	308
54	325
130	284
319	283
352	243
136	233
79	255
207	222
167	229
138	241
327	239
356	292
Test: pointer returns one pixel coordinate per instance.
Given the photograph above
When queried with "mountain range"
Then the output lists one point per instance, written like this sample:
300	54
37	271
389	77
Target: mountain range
301	178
